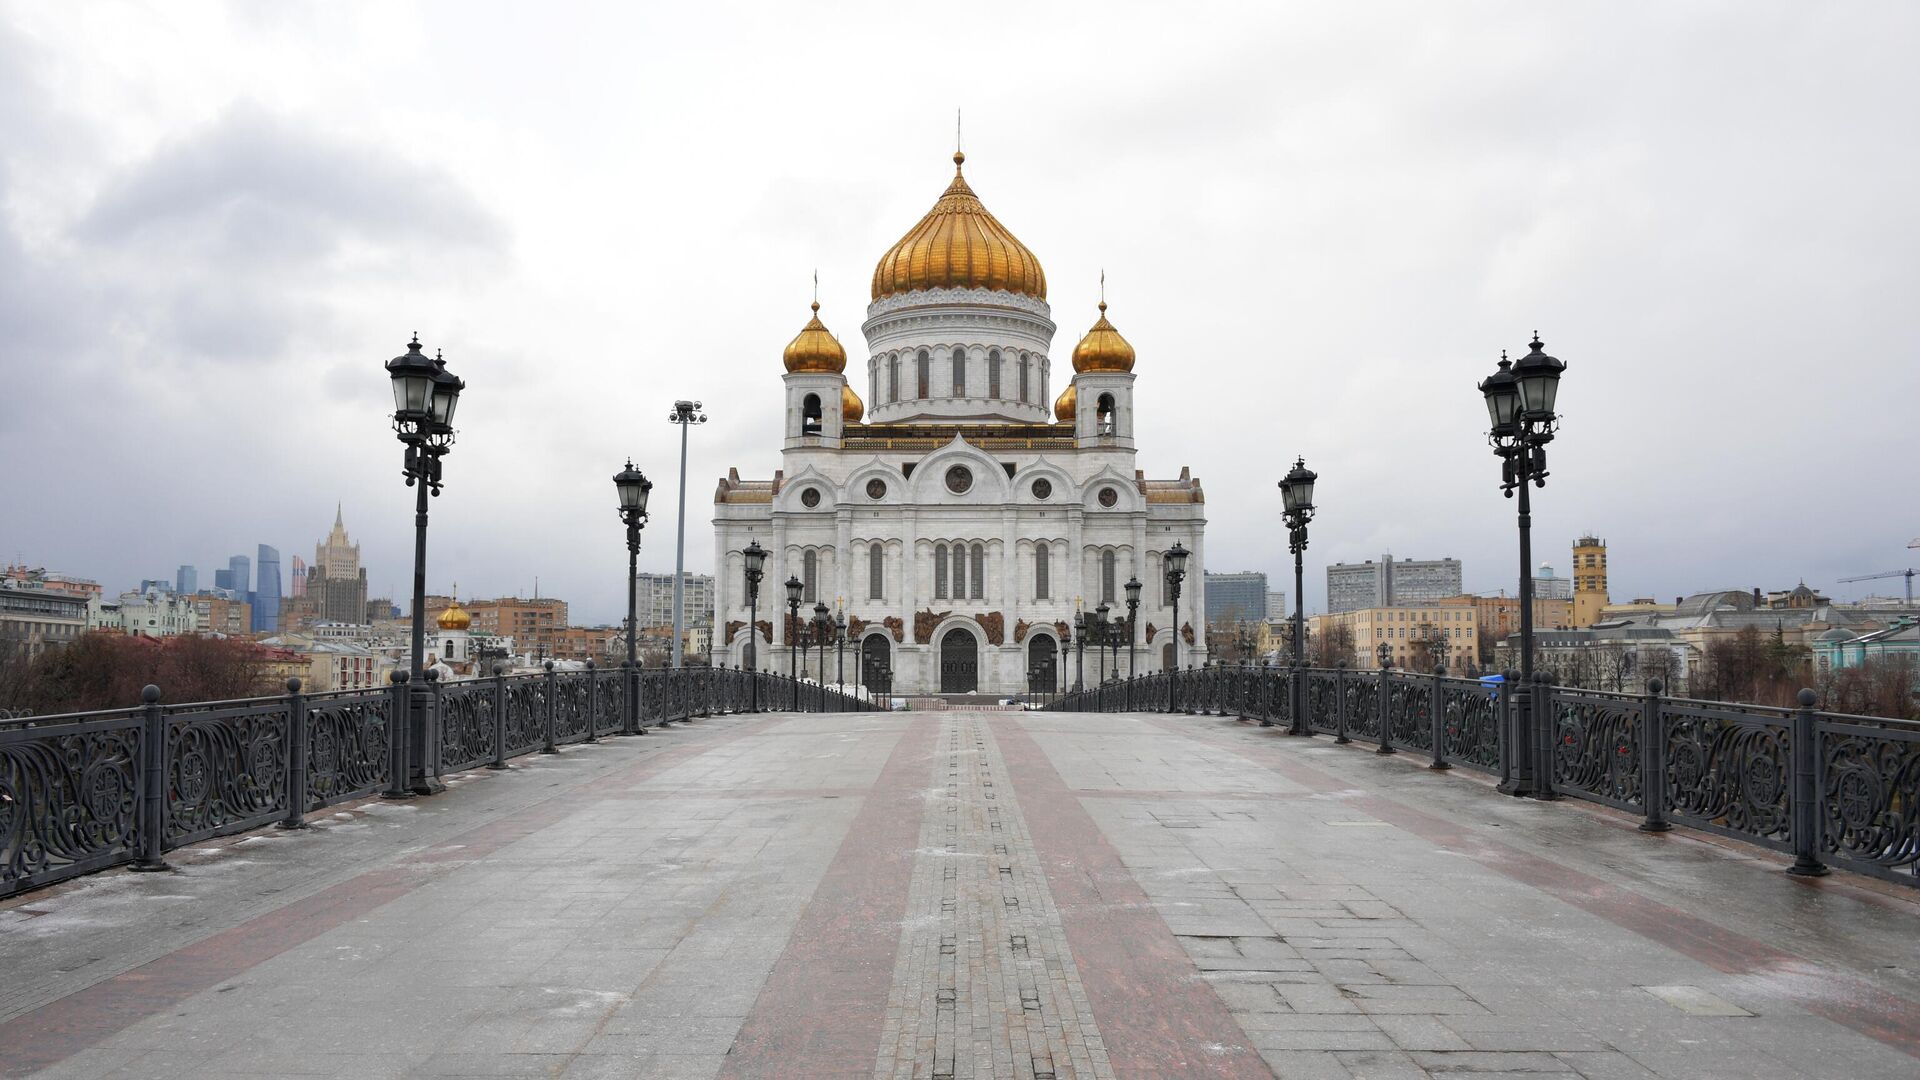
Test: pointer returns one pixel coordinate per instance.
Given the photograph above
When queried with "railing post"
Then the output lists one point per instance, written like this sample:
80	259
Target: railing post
1653	760
151	835
499	717
296	758
1386	712
706	686
630	709
1516	754
398	727
1540	707
1263	695
1437	716
593	700
1297	699
1340	703
553	691
1807	802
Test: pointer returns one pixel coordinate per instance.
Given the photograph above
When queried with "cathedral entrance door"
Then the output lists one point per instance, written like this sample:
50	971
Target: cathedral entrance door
1166	657
959	663
1042	673
876	674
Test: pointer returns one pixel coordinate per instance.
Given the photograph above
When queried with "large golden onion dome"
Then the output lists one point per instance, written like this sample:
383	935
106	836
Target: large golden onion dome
1065	405
850	408
1103	349
959	245
815	348
454	617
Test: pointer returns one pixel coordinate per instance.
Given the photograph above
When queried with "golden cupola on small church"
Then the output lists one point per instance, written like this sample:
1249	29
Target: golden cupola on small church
1103	349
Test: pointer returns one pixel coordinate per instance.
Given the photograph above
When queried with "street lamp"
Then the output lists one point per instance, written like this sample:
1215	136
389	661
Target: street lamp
1079	646
822	633
425	395
1065	647
1385	653
1133	620
794	585
685	413
1102	636
840	647
1176	559
755	558
1520	399
633	486
1296	497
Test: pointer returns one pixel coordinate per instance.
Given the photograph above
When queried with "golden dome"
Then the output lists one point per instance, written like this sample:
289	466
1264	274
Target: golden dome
850	408
1103	349
1063	406
454	618
959	245
815	348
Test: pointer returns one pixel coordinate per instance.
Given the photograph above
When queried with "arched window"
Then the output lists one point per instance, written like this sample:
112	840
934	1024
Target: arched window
893	377
1106	576
1041	571
1023	377
993	374
1103	418
809	570
940	572
959	373
924	364
979	571
959	571
876	571
810	415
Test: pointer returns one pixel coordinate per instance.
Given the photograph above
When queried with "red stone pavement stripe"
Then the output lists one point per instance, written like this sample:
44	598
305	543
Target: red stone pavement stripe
1850	1002
1157	1016
59	1029
823	1008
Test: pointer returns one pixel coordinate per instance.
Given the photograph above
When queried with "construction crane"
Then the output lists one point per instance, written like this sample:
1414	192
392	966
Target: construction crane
1908	574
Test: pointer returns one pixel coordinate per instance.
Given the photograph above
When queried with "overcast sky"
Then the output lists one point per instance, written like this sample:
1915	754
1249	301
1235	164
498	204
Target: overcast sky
1320	226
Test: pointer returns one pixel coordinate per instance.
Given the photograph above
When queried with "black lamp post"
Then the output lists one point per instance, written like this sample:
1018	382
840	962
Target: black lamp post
1520	399
1176	558
425	395
1296	496
633	487
822	633
755	558
794	586
840	649
1102	628
1079	650
1064	647
1133	620
1385	652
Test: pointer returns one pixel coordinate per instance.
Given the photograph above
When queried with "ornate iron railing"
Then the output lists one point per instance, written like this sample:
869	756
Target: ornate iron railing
85	791
1821	786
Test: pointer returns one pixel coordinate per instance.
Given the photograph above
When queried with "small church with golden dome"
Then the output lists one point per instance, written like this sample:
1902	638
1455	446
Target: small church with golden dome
954	519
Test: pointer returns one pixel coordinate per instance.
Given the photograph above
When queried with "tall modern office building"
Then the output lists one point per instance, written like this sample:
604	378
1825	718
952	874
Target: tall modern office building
297	580
223	579
1391	583
186	580
1233	598
266	593
240	577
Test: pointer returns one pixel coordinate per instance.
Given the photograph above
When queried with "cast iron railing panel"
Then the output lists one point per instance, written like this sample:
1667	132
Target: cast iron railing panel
1471	729
1728	768
347	742
226	768
1870	774
70	791
1596	745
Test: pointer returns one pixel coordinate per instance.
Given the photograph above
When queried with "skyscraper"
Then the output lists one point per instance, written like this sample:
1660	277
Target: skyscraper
266	594
186	580
297	585
223	579
240	575
1233	598
336	582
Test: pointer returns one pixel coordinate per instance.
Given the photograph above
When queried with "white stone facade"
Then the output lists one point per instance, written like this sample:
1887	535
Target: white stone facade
1046	515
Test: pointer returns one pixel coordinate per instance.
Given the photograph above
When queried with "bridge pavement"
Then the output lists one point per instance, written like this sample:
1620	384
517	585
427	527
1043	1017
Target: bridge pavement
963	894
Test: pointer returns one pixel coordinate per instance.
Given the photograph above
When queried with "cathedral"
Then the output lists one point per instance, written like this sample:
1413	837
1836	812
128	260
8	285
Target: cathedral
959	522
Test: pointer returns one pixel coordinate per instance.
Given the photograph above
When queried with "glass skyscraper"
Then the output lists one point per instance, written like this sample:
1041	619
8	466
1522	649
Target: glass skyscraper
266	593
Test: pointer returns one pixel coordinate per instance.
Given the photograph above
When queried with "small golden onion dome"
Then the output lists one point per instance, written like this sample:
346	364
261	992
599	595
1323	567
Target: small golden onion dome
959	245
815	348
1063	407
454	618
850	408
1103	349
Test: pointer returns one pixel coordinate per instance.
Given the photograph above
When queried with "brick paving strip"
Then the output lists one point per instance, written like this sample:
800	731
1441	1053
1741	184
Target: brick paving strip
59	1029
1159	1017
1853	1003
984	983
821	1011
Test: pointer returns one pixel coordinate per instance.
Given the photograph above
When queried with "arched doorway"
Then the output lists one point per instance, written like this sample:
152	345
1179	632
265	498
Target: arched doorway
1166	657
959	662
876	664
1043	672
